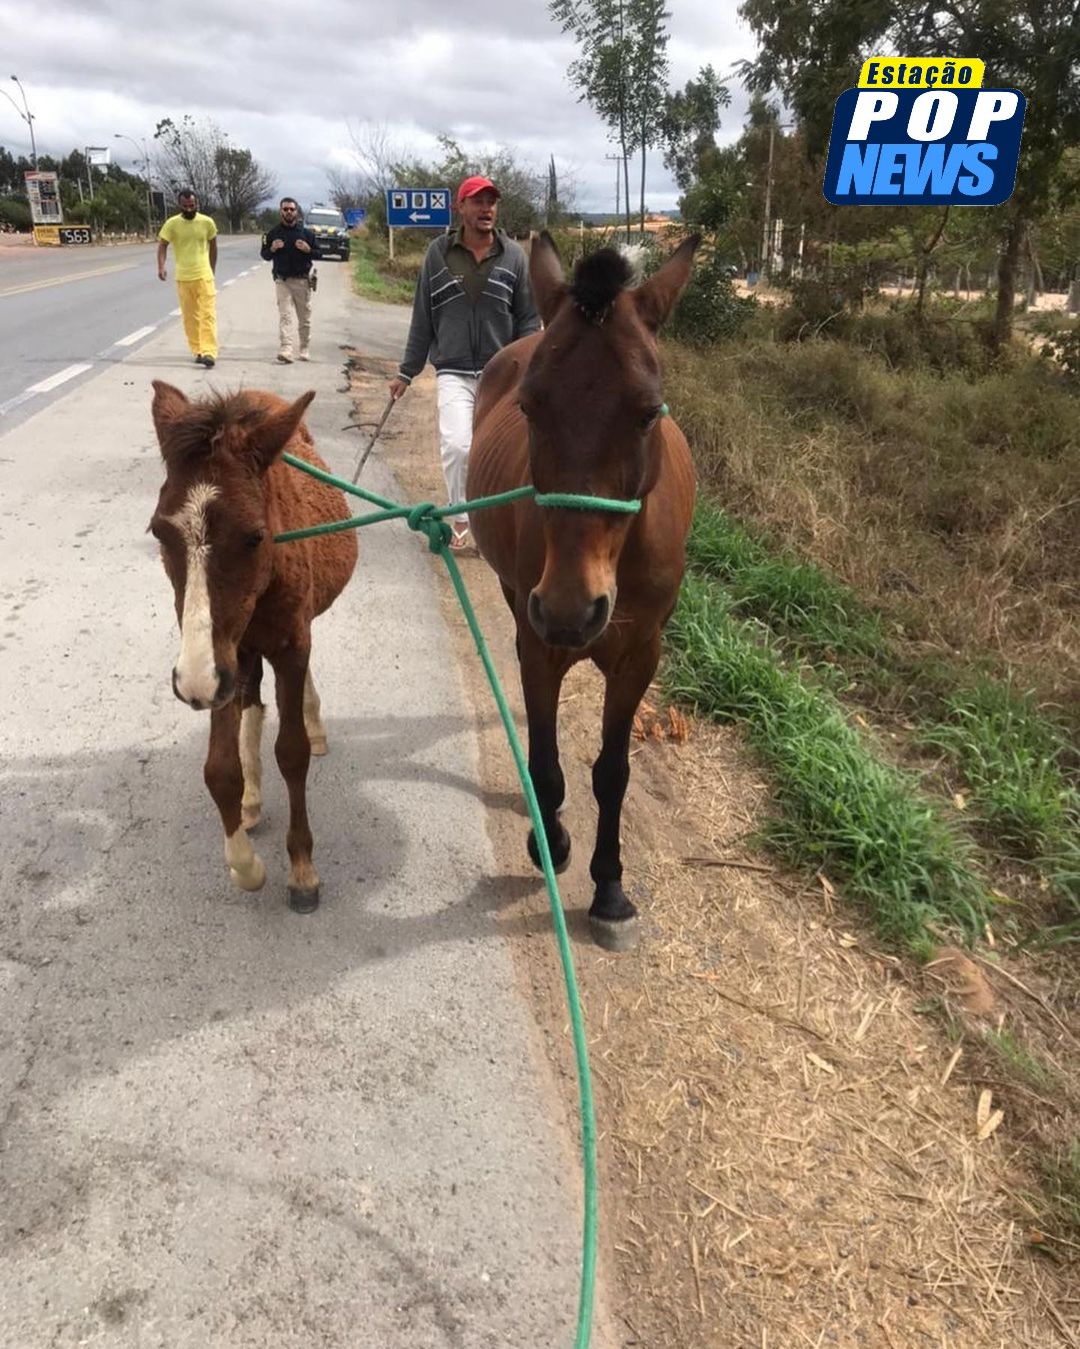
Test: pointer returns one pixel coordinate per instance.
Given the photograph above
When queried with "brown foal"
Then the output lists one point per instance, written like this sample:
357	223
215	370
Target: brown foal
240	598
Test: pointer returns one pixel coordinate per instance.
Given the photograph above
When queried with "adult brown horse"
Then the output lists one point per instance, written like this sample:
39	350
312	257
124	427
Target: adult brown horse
240	598
579	409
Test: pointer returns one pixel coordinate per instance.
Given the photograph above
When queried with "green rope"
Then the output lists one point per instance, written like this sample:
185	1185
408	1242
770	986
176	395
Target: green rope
430	521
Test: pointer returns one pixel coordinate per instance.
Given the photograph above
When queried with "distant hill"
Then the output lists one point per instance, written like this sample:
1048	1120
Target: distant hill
599	218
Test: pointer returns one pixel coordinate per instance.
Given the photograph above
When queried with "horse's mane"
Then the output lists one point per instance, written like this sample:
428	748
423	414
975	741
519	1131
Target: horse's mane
598	280
201	428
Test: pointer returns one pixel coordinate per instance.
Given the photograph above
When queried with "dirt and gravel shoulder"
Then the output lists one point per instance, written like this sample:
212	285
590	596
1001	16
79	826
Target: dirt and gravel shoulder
799	1144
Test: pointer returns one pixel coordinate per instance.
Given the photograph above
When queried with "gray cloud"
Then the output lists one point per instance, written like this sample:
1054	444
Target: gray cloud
287	80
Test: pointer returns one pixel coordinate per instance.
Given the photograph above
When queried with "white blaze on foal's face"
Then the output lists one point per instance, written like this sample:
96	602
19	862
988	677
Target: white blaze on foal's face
196	674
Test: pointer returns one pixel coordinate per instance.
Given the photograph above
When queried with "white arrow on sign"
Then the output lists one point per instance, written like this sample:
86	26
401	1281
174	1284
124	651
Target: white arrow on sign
417	215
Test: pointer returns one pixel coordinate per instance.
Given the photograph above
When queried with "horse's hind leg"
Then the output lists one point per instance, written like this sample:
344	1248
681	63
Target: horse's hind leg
293	750
224	779
252	716
612	916
312	718
542	673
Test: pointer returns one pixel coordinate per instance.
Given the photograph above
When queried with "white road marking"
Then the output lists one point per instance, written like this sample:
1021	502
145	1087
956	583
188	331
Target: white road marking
231	282
13	403
134	337
61	377
174	313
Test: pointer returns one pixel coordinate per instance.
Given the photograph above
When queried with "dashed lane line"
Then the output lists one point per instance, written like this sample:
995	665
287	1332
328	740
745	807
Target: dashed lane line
63	280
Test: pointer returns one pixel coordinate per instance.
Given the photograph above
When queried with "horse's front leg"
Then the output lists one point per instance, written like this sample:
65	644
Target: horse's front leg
293	751
542	672
612	917
224	779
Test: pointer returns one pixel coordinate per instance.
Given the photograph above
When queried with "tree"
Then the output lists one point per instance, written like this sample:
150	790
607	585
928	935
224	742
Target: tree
812	50
689	121
188	157
622	70
242	186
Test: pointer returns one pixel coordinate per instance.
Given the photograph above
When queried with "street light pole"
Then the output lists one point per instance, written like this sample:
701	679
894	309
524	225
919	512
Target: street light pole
27	116
119	135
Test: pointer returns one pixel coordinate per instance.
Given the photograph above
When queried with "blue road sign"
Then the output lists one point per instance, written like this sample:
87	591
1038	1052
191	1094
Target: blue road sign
422	208
355	215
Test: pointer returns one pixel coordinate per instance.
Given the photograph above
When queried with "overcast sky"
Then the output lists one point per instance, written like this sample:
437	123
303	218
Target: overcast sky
287	79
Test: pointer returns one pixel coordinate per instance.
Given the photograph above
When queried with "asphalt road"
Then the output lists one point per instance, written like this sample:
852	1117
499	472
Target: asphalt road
222	1124
67	313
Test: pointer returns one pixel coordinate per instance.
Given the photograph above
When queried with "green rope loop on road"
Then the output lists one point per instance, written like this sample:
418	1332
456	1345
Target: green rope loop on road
429	520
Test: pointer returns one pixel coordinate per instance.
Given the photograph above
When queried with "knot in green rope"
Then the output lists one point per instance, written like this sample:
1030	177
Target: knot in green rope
423	519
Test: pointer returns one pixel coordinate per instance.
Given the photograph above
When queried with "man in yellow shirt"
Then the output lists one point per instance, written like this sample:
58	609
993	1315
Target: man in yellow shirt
194	239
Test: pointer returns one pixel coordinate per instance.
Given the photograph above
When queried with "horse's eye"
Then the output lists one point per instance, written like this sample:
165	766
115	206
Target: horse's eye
649	418
253	539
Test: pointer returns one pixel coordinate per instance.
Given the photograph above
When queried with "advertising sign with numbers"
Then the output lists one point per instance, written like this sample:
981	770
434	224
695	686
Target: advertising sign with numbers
43	189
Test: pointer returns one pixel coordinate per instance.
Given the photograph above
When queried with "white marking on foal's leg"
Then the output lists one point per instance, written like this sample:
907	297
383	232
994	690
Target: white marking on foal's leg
245	864
196	669
316	731
251	728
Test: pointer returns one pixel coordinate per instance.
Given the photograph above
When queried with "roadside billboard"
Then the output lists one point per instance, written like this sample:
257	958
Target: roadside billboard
43	189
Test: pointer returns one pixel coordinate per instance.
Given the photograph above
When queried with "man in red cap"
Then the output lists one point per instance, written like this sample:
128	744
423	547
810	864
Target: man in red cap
472	298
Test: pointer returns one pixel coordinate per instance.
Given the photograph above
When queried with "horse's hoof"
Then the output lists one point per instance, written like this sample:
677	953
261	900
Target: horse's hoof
303	901
617	935
318	745
253	877
560	852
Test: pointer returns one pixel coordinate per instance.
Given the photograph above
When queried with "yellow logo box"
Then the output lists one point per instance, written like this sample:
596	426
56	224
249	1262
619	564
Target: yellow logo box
47	234
921	72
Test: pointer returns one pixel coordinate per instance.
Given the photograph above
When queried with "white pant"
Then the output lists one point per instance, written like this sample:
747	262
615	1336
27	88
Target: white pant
457	400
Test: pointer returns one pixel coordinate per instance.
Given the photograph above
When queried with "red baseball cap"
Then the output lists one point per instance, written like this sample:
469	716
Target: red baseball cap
471	186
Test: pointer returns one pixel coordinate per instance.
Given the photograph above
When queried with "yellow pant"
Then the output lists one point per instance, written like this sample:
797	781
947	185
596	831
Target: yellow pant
198	310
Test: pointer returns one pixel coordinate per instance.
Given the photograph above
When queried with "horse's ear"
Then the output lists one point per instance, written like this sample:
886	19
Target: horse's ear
546	276
273	433
168	403
656	298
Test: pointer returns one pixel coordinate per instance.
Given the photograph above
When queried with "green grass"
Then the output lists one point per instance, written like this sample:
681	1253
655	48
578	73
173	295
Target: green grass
1019	1060
1011	757
795	599
369	278
1008	752
838	805
1061	1173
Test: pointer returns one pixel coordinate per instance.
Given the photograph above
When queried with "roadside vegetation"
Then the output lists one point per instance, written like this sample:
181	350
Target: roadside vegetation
883	572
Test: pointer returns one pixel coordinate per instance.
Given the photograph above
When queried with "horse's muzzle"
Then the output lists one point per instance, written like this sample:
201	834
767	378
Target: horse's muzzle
226	688
574	629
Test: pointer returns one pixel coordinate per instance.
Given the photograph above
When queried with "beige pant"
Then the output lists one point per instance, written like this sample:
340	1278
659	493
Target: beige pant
293	293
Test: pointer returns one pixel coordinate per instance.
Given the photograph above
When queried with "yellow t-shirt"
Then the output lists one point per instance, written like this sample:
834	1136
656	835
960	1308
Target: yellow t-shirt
191	242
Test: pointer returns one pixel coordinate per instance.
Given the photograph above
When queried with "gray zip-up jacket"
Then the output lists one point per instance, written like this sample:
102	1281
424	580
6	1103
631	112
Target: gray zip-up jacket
456	335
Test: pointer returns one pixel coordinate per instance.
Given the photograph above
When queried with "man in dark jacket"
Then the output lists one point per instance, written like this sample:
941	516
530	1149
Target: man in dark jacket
472	298
291	248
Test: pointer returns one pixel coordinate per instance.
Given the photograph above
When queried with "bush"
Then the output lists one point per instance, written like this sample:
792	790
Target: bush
710	311
15	211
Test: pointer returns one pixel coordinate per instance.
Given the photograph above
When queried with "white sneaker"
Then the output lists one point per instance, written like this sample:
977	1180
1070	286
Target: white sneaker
285	357
305	355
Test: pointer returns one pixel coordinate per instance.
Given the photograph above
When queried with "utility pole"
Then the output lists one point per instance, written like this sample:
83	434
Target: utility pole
768	206
618	181
766	251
